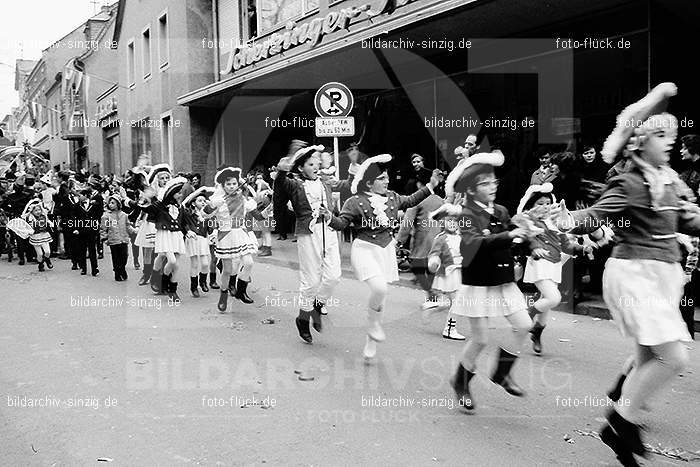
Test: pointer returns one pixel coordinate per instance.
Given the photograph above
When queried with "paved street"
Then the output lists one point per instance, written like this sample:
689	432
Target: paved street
139	382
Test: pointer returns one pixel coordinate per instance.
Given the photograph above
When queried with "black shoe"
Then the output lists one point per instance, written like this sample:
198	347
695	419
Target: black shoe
282	237
624	455
147	271
536	338
203	282
232	285
627	431
502	374
460	384
172	289
74	267
95	273
21	262
48	263
223	301
156	281
125	276
100	256
316	319
616	392
212	281
241	292
137	266
303	326
194	287
41	267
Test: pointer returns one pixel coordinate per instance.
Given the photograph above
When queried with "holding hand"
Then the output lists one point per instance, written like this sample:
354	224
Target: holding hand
435	179
539	253
561	217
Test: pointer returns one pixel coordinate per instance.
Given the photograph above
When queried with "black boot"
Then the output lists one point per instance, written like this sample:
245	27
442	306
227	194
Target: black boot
146	277
241	292
212	280
535	337
627	431
624	455
232	285
156	280
172	289
316	316
47	260
460	383
41	266
616	392
194	287
502	374
303	326
203	281
223	300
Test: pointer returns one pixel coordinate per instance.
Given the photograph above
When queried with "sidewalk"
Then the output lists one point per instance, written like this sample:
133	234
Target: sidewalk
284	253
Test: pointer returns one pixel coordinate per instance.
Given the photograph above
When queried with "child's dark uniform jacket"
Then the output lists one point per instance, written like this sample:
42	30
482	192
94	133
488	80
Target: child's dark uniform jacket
201	227
159	214
554	242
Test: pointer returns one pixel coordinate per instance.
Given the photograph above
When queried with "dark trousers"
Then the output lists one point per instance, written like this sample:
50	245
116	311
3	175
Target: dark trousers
4	246
690	296
24	249
69	239
120	255
419	267
87	244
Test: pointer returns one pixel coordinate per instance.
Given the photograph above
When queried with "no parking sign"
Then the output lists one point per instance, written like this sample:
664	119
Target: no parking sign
333	100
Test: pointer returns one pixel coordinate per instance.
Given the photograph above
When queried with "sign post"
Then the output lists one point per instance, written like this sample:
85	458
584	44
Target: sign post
334	102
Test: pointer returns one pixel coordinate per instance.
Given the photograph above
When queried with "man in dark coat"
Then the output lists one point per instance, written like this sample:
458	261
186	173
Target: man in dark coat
13	204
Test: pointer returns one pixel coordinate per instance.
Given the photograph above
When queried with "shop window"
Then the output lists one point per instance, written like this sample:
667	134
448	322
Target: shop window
166	138
146	36
130	63
141	140
249	20
163	41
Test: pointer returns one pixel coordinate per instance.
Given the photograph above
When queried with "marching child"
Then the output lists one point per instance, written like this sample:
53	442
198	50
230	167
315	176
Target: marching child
199	227
158	176
38	219
235	246
373	210
115	230
643	279
445	261
548	252
488	284
165	212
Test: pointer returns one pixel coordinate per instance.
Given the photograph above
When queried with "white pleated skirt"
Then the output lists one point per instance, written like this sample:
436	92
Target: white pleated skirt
451	282
236	243
198	246
167	241
489	301
370	260
644	297
146	236
541	269
40	238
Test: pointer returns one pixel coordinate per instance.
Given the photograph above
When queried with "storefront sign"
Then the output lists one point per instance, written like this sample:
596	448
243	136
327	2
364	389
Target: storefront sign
106	108
334	127
310	32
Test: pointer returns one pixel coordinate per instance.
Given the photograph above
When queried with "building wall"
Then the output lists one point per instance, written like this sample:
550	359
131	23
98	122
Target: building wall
189	67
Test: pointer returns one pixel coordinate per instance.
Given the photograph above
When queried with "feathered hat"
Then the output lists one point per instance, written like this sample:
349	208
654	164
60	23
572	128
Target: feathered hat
201	191
155	170
302	154
30	205
173	186
532	190
47	177
633	121
369	170
226	173
445	210
467	169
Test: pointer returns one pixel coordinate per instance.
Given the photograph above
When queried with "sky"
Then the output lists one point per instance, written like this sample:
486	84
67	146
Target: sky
28	27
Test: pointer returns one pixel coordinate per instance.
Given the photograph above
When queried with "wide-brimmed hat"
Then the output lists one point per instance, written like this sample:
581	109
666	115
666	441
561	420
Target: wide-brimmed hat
532	191
30	205
201	191
467	169
302	154
369	170
173	186
228	172
155	170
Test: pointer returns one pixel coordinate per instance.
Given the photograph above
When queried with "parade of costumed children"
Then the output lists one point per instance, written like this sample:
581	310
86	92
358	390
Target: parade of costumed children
235	244
36	216
199	228
165	212
445	261
547	253
158	176
115	229
643	279
488	287
317	243
373	210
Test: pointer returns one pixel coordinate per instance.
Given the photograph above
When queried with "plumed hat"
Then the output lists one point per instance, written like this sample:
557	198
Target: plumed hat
467	169
155	170
201	191
369	170
173	186
226	173
532	190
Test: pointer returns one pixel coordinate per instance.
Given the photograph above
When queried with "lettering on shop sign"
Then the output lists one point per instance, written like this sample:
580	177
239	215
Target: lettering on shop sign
310	32
106	108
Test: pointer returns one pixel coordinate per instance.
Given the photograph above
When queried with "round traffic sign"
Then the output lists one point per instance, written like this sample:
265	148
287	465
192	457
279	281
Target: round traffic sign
333	100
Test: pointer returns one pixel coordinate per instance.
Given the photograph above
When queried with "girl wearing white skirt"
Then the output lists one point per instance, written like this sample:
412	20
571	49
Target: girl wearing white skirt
165	212
643	280
158	176
36	217
548	252
235	244
199	228
488	284
445	261
374	211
